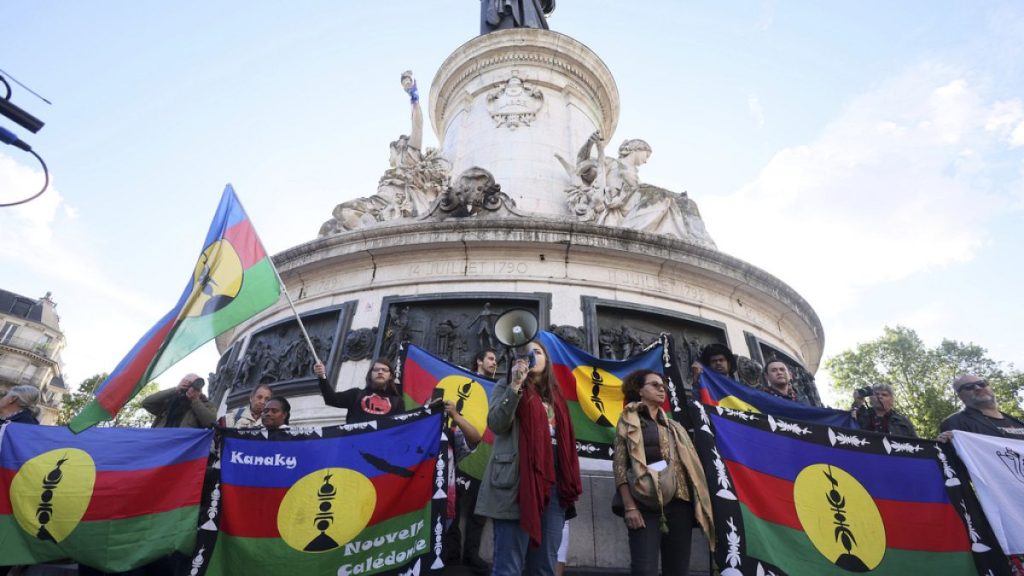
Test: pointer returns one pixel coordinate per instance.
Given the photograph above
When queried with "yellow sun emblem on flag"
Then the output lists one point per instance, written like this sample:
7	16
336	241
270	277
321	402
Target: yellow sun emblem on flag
840	517
470	399
216	281
600	395
50	493
326	509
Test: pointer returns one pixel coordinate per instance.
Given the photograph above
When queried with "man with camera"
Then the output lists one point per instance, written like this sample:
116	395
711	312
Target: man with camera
183	406
877	414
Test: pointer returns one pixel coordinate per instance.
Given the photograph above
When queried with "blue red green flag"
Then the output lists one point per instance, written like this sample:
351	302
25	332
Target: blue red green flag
233	280
592	388
365	498
718	390
422	373
111	498
797	498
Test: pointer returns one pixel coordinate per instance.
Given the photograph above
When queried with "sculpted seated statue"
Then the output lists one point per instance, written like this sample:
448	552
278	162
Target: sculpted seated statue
608	191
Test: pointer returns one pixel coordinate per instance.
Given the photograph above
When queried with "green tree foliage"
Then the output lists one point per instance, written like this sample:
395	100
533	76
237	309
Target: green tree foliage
132	416
921	377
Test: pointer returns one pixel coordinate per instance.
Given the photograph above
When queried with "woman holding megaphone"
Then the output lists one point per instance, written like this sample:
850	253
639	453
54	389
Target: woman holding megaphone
533	475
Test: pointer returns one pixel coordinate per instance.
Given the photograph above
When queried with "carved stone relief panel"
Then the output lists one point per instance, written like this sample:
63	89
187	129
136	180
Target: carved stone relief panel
220	380
279	355
359	344
803	381
514	103
574	335
453	327
620	330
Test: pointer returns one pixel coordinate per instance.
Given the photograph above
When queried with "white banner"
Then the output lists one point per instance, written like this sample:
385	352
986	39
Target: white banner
997	471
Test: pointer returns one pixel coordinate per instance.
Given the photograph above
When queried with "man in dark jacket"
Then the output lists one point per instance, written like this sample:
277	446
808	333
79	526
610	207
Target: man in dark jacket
980	414
879	416
183	406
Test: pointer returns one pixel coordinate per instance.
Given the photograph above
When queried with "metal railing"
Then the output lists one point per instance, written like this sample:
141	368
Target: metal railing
33	346
17	378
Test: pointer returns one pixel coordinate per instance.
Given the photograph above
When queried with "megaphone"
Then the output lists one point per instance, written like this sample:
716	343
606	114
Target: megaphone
515	328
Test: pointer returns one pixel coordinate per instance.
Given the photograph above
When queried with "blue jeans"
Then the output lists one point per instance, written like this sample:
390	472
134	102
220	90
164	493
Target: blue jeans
512	551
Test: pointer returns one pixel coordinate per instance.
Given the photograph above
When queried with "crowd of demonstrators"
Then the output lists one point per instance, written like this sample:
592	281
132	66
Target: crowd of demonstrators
532	480
874	412
659	478
184	406
380	397
19	405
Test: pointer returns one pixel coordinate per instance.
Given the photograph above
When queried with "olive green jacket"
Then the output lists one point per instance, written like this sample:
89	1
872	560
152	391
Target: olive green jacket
202	412
499	488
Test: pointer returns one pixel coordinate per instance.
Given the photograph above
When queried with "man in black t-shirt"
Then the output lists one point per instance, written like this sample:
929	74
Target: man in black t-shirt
980	414
379	398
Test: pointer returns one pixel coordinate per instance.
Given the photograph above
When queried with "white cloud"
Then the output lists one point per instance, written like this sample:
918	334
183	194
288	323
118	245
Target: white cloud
1007	120
756	110
896	184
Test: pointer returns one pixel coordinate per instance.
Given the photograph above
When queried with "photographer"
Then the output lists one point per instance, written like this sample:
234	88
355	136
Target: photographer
183	406
877	415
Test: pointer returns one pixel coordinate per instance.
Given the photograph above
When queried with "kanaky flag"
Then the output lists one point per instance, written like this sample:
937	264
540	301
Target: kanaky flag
422	373
233	280
592	388
113	499
804	499
718	390
364	498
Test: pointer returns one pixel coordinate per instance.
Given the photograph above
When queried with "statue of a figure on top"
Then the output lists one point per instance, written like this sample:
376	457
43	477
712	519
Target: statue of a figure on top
408	187
503	14
608	191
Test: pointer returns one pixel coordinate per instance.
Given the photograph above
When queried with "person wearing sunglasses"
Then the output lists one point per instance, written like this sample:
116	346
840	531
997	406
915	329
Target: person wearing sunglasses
980	413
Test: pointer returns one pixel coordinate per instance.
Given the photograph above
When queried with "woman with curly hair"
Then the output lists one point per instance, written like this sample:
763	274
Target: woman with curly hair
659	477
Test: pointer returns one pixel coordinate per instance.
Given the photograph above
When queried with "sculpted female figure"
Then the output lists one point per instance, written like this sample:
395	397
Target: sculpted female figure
622	181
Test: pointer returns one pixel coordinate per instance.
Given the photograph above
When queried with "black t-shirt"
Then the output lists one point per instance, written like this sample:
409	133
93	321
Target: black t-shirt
1011	427
363	405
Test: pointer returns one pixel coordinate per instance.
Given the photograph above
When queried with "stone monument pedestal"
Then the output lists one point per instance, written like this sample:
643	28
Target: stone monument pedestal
533	214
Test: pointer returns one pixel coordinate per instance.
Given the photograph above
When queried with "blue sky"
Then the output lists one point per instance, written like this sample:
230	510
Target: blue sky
869	154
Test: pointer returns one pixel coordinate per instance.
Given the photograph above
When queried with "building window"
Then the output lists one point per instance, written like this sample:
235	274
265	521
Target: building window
21	308
7	332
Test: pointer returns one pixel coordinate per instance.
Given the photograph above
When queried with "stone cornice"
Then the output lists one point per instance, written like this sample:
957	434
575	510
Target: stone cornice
571	237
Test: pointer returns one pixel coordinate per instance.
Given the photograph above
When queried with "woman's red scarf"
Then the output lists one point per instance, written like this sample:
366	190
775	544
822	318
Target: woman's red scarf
537	462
